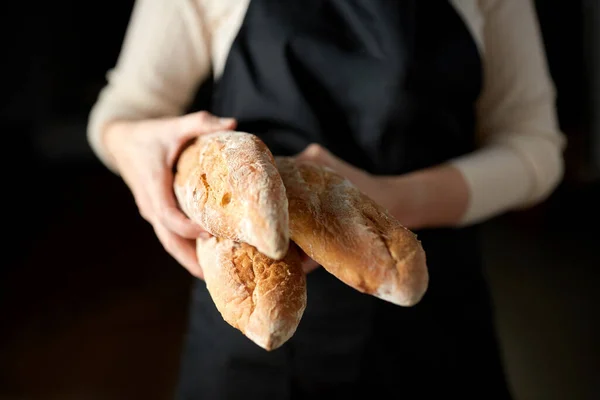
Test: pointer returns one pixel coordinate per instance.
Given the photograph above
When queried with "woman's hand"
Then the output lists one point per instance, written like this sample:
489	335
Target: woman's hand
308	264
377	188
367	183
430	198
144	153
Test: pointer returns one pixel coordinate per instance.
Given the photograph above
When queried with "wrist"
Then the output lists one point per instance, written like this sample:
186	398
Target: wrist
404	194
435	197
112	134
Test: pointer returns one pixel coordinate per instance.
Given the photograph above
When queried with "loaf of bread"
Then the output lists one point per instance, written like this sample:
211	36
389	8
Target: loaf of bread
227	183
262	297
351	236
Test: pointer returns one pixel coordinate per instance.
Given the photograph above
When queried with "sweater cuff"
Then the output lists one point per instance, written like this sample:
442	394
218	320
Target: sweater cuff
497	179
97	121
112	106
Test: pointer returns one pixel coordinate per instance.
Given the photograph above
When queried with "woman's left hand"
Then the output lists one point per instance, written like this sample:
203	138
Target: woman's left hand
376	187
433	197
373	186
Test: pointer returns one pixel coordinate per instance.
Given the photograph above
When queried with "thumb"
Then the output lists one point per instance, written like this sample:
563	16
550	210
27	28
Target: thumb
202	122
320	155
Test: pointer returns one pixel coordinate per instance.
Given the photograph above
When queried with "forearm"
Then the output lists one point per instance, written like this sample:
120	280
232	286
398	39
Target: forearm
429	198
478	186
164	57
109	135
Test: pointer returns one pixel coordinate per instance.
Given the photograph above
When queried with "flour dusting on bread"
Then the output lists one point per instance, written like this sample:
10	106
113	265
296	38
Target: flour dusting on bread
351	236
228	183
254	204
263	298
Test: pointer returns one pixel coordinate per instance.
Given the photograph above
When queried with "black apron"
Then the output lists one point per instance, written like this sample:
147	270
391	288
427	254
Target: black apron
390	87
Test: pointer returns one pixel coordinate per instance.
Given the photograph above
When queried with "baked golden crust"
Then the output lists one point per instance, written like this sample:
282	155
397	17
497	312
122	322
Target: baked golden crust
227	182
351	236
262	297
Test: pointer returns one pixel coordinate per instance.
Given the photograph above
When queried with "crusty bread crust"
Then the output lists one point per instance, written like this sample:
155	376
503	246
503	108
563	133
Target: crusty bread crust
263	298
351	236
230	183
227	182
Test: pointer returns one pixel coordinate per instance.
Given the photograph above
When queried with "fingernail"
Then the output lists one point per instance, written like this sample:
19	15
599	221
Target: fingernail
226	121
204	235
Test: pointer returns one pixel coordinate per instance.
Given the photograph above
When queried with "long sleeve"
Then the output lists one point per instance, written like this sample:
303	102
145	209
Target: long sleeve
164	58
519	162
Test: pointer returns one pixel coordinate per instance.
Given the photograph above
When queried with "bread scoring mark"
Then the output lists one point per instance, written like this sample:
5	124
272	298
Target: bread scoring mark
263	298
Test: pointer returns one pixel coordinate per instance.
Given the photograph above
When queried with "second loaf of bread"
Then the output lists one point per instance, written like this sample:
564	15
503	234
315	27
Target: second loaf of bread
351	236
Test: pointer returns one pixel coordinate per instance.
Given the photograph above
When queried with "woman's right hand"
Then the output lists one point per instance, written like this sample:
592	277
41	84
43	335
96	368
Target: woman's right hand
144	153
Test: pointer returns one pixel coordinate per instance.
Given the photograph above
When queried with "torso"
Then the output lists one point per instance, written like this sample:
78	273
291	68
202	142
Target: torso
223	19
390	97
390	87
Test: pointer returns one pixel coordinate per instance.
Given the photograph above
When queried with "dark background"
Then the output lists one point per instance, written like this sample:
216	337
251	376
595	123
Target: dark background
91	307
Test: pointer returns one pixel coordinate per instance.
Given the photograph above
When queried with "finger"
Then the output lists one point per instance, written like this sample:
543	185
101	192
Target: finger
142	201
144	207
202	122
180	224
309	266
321	155
190	127
182	250
317	153
164	204
303	256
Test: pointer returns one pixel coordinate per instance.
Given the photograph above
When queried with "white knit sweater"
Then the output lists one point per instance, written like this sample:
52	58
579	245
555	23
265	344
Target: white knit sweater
172	46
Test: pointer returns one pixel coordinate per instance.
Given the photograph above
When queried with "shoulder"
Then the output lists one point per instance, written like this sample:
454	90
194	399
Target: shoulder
218	11
472	13
479	15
